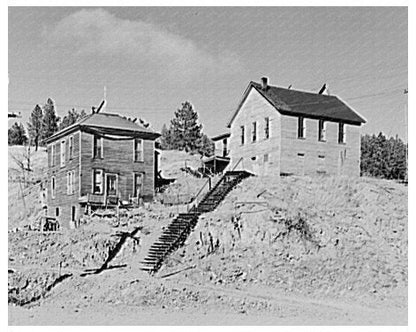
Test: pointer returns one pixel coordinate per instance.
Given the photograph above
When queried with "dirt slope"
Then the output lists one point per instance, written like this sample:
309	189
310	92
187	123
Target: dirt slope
284	251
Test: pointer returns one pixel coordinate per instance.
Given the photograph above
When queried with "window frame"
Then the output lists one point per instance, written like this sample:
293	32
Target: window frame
53	187
135	176
341	133
267	127
71	147
97	141
53	151
135	151
63	153
94	171
301	127
242	135
322	131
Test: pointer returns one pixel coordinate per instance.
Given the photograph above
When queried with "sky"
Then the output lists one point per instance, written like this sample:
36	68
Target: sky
151	59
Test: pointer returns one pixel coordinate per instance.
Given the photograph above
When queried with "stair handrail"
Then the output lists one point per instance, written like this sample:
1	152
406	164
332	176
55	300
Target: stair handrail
236	164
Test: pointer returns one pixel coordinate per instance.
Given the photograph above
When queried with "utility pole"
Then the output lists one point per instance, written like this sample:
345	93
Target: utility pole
406	91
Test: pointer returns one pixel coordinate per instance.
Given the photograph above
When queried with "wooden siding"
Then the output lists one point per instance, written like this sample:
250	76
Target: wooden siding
256	108
287	154
63	200
118	159
328	157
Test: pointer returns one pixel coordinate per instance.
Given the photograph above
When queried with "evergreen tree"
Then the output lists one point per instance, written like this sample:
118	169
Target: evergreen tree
165	138
206	146
72	117
17	134
382	157
34	125
50	120
185	129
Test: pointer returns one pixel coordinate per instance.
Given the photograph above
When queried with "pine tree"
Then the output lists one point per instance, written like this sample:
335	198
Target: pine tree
185	129
72	117
50	120
165	138
382	157
34	125
206	146
17	134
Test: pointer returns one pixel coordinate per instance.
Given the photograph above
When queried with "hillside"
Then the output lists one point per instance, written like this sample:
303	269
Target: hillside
287	250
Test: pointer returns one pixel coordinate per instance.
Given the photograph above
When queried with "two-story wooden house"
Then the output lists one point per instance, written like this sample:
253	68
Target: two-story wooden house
99	161
277	131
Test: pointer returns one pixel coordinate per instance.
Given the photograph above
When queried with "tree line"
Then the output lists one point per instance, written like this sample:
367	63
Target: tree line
43	123
184	133
384	157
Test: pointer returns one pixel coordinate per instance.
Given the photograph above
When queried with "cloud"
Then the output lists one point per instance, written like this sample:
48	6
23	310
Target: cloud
100	33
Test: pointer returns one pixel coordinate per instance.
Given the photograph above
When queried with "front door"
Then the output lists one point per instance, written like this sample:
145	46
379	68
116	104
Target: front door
111	184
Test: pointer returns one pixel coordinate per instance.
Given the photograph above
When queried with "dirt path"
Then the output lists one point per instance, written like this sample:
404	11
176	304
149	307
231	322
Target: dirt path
289	309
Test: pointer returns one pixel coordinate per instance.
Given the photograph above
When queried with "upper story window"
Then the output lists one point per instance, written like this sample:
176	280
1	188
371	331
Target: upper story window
63	153
138	150
301	127
53	151
341	132
322	130
254	132
97	181
266	128
71	147
97	147
242	135
53	186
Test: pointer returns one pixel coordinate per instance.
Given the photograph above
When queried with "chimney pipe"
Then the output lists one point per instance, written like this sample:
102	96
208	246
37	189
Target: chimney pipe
264	82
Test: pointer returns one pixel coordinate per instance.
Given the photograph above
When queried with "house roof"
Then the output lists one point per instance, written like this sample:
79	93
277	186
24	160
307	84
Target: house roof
301	103
220	136
109	124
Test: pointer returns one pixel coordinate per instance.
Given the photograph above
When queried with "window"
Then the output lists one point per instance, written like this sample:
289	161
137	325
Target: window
242	135
341	133
138	185
322	131
266	158
301	127
254	132
111	185
97	147
57	212
267	128
71	147
53	186
63	153
73	213
138	150
53	151
97	187
70	177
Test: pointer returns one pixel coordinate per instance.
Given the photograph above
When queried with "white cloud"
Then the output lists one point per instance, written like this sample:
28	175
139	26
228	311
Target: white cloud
100	33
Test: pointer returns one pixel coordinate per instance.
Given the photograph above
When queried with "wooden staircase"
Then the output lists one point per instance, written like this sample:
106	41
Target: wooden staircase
175	234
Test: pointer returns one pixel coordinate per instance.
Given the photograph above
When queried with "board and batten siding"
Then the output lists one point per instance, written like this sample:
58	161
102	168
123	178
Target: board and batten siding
255	109
118	159
63	201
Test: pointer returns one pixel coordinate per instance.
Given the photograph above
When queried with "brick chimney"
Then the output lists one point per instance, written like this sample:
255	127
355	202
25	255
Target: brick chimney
264	82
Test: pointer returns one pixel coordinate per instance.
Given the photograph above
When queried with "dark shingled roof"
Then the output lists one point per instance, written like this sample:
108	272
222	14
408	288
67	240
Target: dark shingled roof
113	124
309	105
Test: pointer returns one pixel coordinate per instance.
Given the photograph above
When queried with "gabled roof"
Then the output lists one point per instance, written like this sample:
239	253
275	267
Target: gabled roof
106	123
306	104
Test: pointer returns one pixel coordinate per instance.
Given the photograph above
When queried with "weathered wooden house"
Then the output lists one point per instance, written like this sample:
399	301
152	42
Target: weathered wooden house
277	131
101	160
